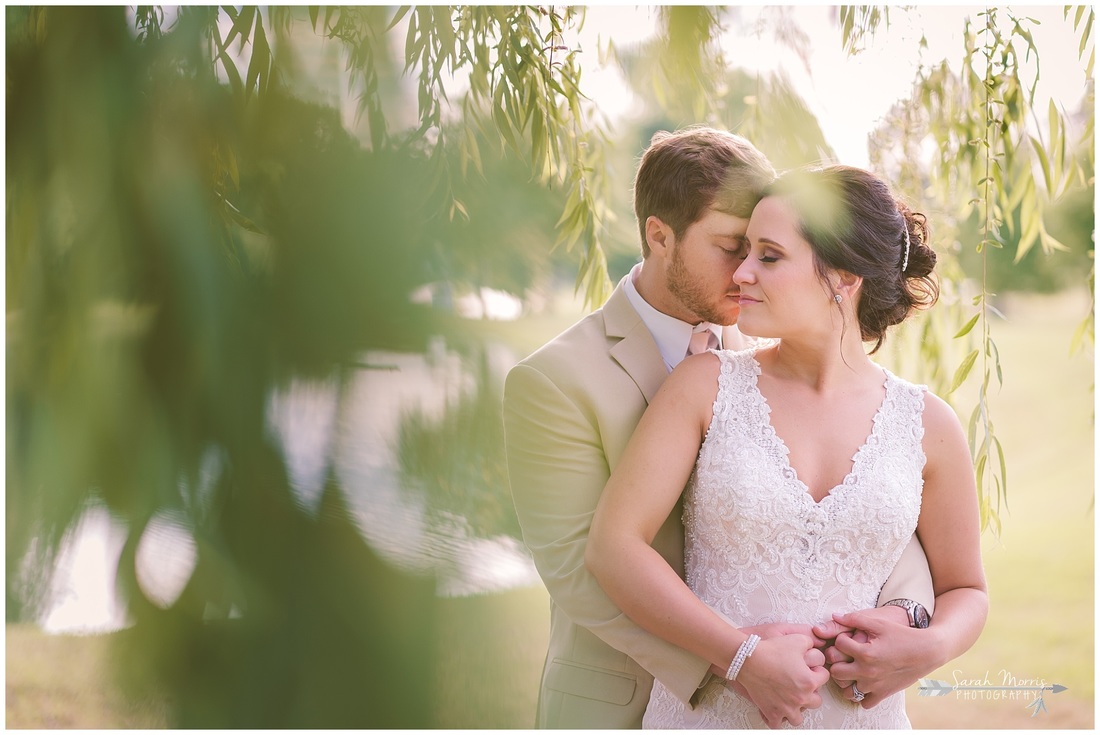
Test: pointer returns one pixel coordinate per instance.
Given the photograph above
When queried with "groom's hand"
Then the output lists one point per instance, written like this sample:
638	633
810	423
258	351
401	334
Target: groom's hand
877	649
772	630
831	629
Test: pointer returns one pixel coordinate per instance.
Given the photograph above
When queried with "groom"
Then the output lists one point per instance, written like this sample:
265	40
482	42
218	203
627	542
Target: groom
570	408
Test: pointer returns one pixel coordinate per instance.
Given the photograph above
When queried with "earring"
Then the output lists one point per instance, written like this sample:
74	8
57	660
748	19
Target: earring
837	298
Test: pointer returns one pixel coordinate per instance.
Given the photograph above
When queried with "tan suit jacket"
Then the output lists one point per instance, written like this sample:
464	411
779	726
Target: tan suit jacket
569	410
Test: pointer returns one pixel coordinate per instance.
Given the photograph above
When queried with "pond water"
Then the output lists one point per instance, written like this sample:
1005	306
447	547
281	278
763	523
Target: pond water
358	434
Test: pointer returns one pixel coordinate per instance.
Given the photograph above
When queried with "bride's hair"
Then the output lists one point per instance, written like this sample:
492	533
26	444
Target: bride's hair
855	224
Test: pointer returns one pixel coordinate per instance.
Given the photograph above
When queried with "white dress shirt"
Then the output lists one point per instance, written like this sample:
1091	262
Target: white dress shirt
671	334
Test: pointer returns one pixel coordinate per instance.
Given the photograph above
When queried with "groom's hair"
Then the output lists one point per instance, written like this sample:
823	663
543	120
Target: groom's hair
682	174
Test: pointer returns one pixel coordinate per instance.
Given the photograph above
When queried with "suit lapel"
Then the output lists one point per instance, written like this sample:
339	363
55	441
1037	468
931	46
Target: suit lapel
636	351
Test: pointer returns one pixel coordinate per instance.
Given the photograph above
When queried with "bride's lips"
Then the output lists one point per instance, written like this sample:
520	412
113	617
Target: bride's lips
747	300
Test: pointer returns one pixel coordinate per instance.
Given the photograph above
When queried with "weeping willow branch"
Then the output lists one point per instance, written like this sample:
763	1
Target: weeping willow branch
995	167
518	67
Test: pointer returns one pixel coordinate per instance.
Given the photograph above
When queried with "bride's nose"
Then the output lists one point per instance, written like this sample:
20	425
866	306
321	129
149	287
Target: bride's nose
745	272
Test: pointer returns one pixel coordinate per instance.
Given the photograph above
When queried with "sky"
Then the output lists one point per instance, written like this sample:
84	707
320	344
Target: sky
849	94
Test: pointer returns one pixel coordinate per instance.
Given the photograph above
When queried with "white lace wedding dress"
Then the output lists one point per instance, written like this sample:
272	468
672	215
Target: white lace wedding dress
760	550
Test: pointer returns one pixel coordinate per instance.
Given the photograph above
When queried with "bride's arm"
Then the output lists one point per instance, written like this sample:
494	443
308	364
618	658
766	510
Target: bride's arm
640	494
950	531
889	657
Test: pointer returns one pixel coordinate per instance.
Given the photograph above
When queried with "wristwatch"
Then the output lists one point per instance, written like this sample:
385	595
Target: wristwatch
918	615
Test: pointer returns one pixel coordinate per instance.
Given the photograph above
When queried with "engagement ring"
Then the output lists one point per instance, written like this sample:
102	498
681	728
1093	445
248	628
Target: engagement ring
857	695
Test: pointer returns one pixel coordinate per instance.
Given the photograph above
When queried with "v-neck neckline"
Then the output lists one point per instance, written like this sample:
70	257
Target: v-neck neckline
788	469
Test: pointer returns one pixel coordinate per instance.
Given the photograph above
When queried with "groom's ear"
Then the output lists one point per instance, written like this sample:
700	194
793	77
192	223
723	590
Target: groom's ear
658	235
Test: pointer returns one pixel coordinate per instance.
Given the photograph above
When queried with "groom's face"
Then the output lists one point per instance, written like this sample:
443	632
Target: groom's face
702	264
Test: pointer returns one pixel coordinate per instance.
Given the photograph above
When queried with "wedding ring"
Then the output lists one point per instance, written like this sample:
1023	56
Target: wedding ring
857	695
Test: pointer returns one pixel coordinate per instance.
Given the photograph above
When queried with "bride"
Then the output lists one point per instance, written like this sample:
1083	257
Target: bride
810	467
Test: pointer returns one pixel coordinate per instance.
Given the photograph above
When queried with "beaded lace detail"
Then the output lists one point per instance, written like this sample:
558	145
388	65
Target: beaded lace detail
759	549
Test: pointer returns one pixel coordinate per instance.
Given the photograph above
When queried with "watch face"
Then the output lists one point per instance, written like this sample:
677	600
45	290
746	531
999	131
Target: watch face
920	616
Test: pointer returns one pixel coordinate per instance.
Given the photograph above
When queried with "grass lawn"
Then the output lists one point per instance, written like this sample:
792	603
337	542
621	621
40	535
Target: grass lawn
62	682
1040	571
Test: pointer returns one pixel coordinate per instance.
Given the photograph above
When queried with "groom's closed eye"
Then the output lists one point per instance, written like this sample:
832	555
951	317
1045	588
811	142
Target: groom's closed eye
738	248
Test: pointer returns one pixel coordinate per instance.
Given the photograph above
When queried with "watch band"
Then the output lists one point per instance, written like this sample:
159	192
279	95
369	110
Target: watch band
917	613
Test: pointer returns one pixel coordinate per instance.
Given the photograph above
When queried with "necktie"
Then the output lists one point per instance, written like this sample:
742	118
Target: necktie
702	339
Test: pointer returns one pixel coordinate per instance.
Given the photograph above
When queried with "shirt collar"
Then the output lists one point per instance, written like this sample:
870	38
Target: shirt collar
671	334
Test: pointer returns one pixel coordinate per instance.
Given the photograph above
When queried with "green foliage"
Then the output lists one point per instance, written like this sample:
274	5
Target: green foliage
523	96
860	21
781	126
175	254
992	182
505	238
204	238
1070	220
522	73
765	109
689	59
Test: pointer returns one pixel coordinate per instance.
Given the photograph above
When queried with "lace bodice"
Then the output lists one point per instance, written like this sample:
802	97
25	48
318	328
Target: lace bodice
759	549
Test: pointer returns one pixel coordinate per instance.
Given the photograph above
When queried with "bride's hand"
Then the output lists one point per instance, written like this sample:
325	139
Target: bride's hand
875	649
814	656
782	678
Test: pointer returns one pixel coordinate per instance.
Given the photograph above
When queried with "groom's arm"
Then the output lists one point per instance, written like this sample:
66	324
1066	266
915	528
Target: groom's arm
910	579
558	469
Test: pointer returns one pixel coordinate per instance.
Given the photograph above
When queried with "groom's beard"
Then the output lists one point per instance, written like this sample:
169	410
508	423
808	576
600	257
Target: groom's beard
717	309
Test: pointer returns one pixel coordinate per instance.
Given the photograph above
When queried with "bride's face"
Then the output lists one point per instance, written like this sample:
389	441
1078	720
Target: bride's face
782	294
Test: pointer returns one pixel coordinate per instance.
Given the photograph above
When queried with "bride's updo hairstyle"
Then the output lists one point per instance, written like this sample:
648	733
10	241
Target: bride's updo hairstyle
853	223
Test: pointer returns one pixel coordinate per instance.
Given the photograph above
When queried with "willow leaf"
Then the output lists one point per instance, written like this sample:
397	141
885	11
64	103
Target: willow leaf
1085	36
1002	485
1050	243
397	16
1044	163
995	353
242	24
963	370
968	326
260	58
1031	222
